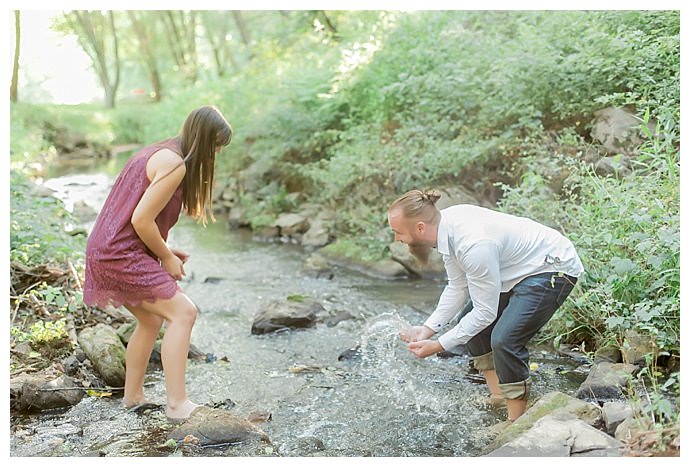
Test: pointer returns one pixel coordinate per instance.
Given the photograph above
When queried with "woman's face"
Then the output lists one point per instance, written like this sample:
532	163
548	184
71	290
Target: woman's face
218	145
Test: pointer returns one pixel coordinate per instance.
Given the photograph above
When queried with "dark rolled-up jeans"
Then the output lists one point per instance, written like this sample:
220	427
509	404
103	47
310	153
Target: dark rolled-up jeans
522	311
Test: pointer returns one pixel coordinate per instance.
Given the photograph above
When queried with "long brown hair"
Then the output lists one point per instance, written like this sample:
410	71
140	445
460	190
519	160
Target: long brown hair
203	130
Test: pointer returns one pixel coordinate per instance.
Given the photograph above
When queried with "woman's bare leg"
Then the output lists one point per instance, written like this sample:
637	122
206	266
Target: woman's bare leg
138	354
180	313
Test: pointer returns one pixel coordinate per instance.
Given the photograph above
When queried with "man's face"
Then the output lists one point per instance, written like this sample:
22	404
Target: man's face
412	234
404	230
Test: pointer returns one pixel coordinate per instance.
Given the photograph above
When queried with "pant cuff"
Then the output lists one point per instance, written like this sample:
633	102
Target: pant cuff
484	362
519	390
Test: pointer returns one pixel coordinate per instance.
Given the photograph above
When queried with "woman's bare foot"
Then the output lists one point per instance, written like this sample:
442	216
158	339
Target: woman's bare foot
133	403
181	412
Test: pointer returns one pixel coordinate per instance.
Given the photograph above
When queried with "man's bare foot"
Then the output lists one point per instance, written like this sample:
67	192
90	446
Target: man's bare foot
181	412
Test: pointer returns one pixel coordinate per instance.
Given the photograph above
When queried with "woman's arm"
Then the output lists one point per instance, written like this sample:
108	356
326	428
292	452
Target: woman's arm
166	171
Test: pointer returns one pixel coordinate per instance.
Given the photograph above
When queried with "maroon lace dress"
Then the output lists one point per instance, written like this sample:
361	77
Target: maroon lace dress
120	268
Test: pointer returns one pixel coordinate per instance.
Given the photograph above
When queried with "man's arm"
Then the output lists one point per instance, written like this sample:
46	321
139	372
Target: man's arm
453	297
481	264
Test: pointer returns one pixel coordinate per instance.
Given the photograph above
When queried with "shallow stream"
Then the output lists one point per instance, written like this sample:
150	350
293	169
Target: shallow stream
380	402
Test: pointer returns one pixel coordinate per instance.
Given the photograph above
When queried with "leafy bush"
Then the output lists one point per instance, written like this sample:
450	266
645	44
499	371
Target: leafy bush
37	226
627	232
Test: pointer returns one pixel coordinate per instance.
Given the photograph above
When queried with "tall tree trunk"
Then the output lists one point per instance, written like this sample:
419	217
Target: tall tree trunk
92	38
15	67
144	35
217	39
183	42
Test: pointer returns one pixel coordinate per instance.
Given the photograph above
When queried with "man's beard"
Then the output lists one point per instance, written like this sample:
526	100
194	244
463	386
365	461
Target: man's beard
421	252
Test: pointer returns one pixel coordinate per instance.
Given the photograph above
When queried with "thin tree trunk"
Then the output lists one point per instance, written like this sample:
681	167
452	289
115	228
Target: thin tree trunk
149	57
329	25
242	26
116	50
15	68
94	46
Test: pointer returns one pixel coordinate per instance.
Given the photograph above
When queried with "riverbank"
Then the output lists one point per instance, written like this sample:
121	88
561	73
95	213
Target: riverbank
310	365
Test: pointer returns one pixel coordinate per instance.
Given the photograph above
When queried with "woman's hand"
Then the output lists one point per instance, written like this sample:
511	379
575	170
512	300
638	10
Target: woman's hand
173	264
180	254
423	349
416	333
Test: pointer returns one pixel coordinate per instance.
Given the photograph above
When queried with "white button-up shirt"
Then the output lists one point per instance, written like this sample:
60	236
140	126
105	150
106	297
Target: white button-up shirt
485	253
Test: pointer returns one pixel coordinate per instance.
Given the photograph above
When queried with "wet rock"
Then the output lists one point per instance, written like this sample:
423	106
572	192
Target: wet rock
214	426
614	413
105	350
38	392
349	255
434	269
316	266
339	317
553	436
353	354
213	280
286	314
606	381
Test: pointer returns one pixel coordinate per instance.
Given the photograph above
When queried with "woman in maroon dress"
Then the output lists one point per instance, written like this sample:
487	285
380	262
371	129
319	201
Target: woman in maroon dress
128	262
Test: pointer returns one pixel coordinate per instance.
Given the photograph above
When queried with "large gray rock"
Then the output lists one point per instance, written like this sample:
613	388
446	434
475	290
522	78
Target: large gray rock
340	254
292	224
557	404
606	381
105	350
318	235
38	392
215	426
560	436
288	314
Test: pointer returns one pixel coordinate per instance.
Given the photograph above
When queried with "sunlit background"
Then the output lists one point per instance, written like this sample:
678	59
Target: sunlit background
53	68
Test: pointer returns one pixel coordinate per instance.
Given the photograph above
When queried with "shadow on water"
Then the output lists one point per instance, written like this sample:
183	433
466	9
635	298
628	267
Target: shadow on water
377	401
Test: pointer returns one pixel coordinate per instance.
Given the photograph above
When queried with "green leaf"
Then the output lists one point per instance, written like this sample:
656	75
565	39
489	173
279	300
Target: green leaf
622	265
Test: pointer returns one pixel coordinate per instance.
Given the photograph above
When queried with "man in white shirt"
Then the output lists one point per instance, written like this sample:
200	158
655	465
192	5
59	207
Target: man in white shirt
515	272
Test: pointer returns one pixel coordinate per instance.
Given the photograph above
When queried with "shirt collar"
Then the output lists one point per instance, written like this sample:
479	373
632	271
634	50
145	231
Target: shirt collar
442	236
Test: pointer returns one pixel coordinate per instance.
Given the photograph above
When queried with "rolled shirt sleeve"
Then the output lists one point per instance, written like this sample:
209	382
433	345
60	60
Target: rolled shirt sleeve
483	280
453	297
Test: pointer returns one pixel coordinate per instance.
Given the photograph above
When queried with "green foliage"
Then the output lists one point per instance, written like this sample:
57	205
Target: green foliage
627	231
38	226
44	333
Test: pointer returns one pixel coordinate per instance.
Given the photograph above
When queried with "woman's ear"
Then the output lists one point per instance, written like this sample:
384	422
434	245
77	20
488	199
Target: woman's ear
420	227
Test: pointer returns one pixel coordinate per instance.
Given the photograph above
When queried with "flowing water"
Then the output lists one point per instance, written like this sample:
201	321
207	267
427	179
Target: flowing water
381	401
